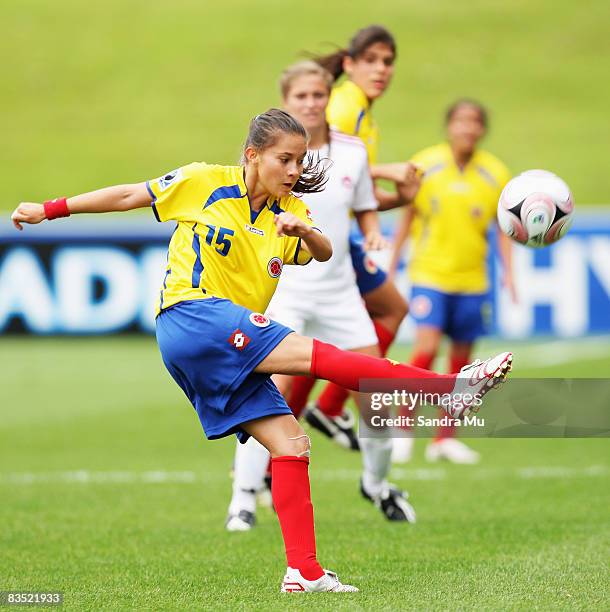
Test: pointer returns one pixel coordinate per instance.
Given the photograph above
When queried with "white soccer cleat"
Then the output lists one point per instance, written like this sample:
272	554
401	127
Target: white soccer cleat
402	449
475	380
329	583
242	521
451	450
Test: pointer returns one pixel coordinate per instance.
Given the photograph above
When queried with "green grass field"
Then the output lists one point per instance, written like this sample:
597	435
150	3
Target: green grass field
125	90
111	494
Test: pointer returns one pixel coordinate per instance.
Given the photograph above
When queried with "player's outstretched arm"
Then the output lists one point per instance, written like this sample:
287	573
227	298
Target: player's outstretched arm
109	199
314	242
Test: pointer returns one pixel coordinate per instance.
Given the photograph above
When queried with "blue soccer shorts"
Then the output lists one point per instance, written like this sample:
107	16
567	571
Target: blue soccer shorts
368	275
462	316
211	347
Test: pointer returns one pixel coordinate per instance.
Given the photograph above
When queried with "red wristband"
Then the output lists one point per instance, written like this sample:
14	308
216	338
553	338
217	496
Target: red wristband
54	209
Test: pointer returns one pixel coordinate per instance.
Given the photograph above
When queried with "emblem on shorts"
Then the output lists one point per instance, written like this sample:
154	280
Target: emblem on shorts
369	265
239	340
274	267
421	306
260	320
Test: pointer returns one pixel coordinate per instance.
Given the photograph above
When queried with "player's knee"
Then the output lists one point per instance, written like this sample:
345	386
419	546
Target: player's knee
300	446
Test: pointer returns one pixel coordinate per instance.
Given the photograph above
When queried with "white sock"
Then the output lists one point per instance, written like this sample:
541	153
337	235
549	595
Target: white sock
376	460
251	460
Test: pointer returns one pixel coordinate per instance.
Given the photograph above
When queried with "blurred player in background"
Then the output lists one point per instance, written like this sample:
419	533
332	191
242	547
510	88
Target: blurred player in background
449	225
322	300
236	226
368	66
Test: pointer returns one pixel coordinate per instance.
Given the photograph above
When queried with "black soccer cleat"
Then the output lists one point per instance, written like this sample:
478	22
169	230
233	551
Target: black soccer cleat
393	504
340	429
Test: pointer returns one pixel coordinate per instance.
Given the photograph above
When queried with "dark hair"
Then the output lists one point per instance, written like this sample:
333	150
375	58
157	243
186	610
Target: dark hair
359	43
264	132
483	115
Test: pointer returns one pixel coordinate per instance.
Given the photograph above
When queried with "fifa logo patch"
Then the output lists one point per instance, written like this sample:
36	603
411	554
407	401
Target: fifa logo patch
260	320
239	340
274	267
170	178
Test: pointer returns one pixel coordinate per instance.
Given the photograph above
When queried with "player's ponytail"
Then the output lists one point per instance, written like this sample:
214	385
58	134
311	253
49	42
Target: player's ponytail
359	43
264	131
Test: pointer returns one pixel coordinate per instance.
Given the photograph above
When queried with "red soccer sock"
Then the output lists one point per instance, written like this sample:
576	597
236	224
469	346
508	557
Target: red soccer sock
448	431
333	398
385	337
423	360
299	392
292	502
347	369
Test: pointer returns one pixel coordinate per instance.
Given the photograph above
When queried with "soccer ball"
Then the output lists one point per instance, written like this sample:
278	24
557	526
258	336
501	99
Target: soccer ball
535	208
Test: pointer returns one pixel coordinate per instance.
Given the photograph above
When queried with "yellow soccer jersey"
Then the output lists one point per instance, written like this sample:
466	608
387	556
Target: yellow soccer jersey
349	111
220	247
453	211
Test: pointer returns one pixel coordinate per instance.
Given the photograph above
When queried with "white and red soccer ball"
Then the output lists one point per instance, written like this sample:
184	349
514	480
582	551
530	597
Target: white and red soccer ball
535	208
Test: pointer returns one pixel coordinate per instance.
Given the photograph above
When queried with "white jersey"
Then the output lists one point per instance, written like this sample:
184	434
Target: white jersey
349	188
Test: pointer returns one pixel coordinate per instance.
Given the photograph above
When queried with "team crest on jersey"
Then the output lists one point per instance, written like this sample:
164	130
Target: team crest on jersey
260	320
347	182
239	340
274	267
369	265
169	179
476	212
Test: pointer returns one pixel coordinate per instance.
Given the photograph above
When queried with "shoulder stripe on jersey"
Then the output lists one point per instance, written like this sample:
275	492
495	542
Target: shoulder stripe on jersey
222	193
487	176
434	169
198	265
154	199
347	139
359	121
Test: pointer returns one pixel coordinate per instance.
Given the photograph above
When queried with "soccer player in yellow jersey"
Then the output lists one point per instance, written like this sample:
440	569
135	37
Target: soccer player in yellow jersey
236	228
448	224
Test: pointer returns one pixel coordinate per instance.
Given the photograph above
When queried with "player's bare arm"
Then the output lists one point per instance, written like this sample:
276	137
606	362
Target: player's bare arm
368	222
108	199
402	233
315	242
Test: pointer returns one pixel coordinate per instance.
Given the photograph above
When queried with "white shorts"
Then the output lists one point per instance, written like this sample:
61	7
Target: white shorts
337	318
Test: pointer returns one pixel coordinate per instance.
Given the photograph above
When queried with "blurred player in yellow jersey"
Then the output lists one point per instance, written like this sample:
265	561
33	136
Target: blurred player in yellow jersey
448	224
368	66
